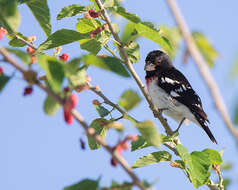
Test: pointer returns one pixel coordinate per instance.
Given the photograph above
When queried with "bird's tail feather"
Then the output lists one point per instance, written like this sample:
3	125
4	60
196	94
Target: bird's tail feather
209	133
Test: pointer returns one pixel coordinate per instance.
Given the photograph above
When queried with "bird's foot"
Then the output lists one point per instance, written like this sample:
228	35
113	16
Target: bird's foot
160	110
180	124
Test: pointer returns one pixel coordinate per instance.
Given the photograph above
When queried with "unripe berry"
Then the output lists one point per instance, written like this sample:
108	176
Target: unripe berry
64	57
70	104
96	102
33	59
30	50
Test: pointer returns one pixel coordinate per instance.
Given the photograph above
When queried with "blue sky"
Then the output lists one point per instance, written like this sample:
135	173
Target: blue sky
41	152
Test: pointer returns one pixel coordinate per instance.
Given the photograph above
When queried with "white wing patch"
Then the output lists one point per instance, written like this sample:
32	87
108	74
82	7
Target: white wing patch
174	94
168	80
179	89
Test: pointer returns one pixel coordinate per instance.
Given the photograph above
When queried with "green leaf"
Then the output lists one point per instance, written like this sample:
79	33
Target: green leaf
70	11
129	99
129	16
41	11
17	43
3	81
129	33
108	4
92	45
147	30
133	52
54	70
226	166
86	184
9	15
50	106
174	37
117	186
149	132
75	72
139	144
25	57
106	62
214	156
206	48
102	111
197	165
100	126
85	25
155	157
61	37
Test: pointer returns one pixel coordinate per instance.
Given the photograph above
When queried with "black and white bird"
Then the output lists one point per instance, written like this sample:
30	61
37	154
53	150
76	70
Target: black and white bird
171	92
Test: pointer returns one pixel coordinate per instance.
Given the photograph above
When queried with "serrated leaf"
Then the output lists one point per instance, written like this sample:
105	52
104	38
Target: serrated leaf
41	12
147	30
214	156
133	52
50	106
25	57
91	45
139	144
129	99
117	186
3	81
85	25
106	62
174	37
197	165
155	157
129	33
70	11
9	15
102	111
86	184
100	126
206	48
149	132
129	16
61	37
75	72
54	70
17	43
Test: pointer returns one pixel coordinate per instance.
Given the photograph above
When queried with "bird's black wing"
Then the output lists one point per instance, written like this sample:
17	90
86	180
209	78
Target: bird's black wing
177	86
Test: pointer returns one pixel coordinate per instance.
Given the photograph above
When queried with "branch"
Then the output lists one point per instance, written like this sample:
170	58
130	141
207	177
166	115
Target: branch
203	68
129	66
107	101
80	119
24	41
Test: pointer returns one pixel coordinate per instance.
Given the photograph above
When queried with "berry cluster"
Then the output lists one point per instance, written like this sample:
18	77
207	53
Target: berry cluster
70	103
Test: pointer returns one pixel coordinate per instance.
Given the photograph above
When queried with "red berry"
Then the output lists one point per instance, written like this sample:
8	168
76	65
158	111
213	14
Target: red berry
70	104
96	102
68	117
1	71
113	162
27	91
93	13
64	57
30	50
1	34
33	59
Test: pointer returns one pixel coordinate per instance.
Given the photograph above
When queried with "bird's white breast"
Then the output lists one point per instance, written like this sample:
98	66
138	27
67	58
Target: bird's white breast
162	100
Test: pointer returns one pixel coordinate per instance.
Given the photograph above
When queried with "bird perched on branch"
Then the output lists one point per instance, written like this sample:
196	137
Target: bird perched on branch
171	92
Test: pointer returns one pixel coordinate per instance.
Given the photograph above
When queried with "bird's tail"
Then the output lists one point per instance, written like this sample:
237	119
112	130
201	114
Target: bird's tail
205	127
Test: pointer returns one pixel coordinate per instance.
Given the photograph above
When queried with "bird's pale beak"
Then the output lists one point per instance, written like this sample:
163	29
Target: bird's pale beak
149	66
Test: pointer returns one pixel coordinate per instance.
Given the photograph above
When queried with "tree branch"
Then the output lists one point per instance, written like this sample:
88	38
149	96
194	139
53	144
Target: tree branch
203	68
80	119
129	66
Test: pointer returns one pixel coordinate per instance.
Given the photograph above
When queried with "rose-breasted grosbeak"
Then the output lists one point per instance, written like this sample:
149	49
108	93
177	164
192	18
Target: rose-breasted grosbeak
171	92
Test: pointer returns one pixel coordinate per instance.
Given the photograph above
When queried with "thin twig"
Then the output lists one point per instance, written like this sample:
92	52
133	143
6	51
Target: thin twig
221	186
24	41
107	101
129	66
79	118
203	68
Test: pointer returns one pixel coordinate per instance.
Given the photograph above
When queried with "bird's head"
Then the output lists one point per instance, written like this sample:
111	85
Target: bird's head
156	60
